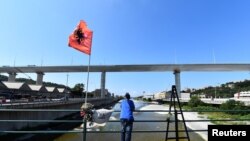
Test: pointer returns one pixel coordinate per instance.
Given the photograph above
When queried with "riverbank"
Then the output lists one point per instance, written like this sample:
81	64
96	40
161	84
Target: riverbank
187	116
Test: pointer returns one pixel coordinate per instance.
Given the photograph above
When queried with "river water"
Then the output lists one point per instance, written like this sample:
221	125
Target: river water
115	126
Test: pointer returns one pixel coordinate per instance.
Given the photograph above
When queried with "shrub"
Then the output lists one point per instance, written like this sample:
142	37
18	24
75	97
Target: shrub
195	101
233	105
149	99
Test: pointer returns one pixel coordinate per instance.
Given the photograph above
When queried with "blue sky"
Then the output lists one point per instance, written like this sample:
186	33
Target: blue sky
35	32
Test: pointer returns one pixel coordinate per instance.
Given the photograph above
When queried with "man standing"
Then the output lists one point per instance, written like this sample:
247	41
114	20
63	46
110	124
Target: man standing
127	118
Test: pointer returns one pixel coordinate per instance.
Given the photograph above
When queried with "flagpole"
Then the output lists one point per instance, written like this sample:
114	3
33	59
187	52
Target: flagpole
87	82
81	40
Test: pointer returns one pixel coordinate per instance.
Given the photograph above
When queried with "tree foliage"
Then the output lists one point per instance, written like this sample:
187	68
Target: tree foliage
195	101
224	90
233	105
78	89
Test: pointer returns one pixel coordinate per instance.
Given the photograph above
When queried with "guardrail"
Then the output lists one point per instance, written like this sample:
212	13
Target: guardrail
84	130
46	101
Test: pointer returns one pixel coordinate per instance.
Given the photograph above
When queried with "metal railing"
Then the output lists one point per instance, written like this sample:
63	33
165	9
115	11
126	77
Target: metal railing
84	131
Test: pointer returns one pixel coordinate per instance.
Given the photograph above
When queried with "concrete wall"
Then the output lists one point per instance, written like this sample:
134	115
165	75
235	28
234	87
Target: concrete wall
41	115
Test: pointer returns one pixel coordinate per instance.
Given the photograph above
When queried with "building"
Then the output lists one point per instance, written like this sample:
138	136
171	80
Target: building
230	85
38	91
242	95
162	95
148	96
185	96
18	90
97	93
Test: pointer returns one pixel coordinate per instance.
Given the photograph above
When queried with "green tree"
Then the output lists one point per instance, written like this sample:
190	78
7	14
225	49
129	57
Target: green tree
149	99
78	89
233	105
195	101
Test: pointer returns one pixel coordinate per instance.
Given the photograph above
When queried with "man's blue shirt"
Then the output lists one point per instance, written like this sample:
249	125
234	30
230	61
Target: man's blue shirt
127	108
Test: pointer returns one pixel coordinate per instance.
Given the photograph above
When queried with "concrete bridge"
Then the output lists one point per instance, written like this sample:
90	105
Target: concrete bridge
175	68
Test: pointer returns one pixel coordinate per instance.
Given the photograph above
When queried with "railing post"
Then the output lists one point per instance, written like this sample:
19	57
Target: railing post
176	125
84	129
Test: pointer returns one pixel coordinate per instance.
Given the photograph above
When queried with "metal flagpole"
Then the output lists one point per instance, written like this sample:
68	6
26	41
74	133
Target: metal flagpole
87	87
67	79
87	82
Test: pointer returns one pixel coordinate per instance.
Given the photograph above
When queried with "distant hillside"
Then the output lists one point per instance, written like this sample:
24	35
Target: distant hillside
30	81
225	90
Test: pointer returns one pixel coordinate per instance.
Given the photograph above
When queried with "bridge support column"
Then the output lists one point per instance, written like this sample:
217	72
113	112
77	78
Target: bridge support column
178	82
39	80
12	77
103	79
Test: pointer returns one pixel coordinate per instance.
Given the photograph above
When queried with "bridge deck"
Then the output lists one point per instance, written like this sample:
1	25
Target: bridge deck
128	68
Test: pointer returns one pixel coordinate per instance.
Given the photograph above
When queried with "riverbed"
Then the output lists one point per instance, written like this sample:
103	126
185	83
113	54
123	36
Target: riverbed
151	126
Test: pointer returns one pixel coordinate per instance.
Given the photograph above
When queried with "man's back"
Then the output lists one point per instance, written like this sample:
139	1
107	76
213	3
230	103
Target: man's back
127	119
127	108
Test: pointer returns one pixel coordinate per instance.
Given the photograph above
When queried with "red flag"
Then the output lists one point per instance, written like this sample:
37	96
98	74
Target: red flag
81	38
